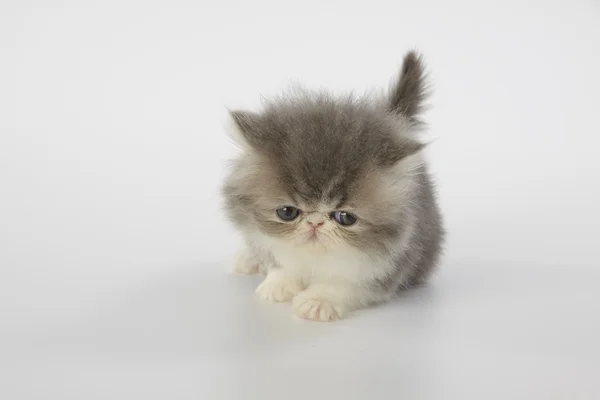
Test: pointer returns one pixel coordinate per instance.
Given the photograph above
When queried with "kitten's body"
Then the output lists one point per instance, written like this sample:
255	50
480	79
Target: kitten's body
319	154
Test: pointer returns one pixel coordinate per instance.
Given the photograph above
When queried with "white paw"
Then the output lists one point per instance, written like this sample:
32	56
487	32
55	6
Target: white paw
245	262
316	309
279	289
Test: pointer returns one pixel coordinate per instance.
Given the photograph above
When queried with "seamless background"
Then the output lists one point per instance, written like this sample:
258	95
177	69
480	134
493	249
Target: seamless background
114	252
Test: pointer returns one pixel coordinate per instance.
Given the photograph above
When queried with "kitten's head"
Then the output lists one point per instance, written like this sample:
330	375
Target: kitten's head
325	172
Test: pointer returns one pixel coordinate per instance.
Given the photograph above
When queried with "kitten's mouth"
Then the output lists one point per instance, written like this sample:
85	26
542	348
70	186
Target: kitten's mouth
313	236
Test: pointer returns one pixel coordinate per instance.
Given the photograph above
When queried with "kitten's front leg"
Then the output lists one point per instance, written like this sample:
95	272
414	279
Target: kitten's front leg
246	262
330	301
279	286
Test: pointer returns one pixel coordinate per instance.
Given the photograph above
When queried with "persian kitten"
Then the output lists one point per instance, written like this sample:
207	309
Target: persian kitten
334	199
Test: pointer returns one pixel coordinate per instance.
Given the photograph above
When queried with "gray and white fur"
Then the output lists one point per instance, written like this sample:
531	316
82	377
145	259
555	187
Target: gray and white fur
349	173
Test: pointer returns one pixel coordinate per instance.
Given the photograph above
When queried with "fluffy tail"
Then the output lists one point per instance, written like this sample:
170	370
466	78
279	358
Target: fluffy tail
410	91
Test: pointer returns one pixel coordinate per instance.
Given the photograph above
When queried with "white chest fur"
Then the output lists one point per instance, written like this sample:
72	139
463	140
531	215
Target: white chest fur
317	265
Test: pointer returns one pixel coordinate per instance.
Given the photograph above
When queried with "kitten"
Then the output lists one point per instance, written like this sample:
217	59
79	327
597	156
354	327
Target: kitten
334	199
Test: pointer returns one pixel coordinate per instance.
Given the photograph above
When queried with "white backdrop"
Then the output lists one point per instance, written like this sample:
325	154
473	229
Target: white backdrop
114	251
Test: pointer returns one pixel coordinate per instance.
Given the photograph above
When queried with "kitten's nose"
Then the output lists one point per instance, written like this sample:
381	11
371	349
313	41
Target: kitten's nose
315	225
315	219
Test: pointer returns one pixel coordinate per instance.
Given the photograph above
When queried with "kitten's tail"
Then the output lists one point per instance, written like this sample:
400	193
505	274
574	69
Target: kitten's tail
410	91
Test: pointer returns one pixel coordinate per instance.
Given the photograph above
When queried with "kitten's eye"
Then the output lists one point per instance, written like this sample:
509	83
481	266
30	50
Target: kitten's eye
288	213
343	218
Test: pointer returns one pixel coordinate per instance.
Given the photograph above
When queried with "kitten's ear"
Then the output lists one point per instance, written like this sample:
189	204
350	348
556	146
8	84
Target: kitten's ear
244	128
405	148
409	92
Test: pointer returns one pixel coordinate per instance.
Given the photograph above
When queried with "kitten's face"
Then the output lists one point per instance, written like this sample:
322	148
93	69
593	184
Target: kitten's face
322	175
316	224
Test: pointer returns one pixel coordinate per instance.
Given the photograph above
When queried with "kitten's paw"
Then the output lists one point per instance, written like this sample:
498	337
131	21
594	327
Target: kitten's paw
245	263
316	309
277	288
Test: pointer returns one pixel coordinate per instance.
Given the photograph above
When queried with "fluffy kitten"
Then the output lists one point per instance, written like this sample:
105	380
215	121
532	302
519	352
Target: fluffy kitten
333	198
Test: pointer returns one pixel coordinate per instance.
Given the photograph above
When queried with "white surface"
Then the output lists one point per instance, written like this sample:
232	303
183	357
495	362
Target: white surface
114	253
